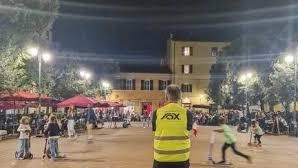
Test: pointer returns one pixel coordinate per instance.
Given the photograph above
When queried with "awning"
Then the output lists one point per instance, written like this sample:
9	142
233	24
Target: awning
109	104
200	106
10	105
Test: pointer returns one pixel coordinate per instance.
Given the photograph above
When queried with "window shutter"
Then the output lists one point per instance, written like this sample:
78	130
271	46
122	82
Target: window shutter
182	68
115	83
151	84
182	87
190	86
123	84
159	85
190	68
182	51
142	84
168	82
133	84
191	53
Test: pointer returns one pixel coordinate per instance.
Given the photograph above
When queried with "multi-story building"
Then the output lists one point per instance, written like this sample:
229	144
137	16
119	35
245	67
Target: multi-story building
187	64
190	63
141	90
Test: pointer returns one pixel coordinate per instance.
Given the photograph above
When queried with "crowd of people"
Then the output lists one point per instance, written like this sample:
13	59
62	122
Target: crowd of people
270	122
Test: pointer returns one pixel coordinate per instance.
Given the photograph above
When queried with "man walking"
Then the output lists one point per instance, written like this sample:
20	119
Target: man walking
171	125
91	120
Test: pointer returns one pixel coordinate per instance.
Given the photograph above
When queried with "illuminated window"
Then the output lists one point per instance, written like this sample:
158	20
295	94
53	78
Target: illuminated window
187	51
186	69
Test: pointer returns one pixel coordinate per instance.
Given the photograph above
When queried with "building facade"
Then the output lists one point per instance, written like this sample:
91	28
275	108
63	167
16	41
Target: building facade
140	91
190	63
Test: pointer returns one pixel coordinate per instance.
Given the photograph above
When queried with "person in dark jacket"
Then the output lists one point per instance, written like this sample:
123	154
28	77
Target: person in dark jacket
91	120
53	134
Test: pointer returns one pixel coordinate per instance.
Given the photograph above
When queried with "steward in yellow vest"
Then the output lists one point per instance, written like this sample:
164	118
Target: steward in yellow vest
171	125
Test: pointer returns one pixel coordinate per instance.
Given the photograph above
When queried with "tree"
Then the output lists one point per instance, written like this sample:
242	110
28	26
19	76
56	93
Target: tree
251	52
67	83
21	21
282	83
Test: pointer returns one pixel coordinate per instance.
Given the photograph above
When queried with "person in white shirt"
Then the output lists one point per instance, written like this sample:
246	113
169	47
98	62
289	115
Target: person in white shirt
71	125
24	130
257	130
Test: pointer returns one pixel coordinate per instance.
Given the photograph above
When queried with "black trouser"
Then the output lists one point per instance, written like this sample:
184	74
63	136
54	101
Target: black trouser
184	164
258	137
226	146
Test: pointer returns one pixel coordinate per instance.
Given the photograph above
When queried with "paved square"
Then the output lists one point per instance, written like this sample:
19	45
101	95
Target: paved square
132	148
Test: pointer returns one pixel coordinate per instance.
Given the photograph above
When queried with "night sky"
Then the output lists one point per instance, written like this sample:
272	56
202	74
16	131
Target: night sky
139	28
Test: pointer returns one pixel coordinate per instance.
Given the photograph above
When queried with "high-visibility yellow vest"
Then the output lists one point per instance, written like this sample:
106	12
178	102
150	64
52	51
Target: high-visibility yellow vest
171	139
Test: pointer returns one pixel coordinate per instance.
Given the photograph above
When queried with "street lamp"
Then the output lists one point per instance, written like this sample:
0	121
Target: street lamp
45	56
201	97
106	86
245	79
32	51
85	74
289	58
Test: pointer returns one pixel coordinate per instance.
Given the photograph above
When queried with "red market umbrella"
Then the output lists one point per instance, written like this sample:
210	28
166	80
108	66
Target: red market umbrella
78	101
18	96
8	105
22	96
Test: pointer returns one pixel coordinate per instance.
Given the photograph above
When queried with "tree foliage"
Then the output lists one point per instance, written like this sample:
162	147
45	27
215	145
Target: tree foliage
283	83
21	23
67	83
256	53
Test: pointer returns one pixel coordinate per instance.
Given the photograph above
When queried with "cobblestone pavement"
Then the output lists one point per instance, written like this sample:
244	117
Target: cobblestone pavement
132	148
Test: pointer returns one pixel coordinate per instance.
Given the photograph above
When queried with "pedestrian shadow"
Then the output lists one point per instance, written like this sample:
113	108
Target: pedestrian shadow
81	151
203	164
101	134
96	160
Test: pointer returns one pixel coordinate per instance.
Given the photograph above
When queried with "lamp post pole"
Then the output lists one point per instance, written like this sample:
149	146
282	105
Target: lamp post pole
39	83
295	93
105	92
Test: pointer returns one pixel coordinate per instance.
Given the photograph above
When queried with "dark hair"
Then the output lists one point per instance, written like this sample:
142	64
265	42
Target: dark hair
222	120
253	122
53	118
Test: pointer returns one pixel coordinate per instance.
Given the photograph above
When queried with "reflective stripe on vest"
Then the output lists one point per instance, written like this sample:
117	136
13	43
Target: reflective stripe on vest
168	138
175	152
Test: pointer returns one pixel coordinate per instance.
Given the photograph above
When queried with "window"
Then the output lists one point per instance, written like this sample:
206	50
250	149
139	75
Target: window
187	51
186	69
124	84
163	84
130	84
186	87
117	84
146	84
214	51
